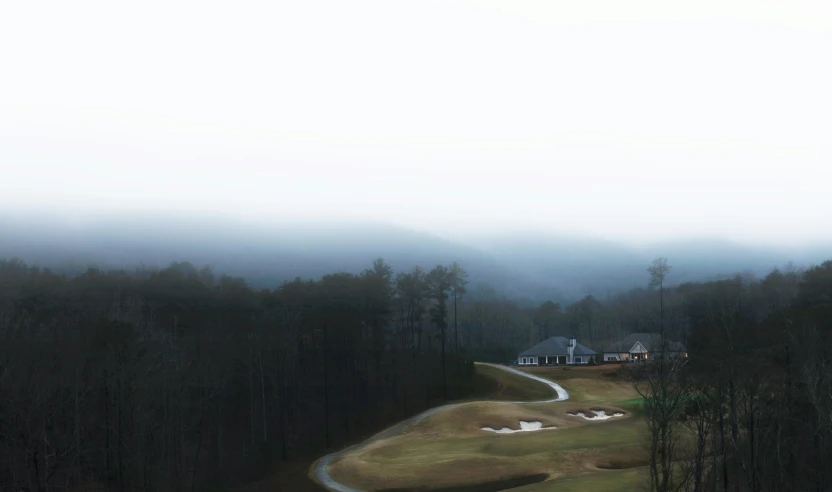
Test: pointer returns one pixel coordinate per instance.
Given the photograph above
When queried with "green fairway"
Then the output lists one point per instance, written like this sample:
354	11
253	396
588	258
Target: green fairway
594	435
414	450
449	449
632	479
633	405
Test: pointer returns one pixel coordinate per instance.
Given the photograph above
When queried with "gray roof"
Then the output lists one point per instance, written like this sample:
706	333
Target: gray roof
556	346
647	340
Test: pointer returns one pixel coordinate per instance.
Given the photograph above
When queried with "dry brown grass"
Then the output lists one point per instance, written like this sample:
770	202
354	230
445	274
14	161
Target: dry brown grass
598	371
423	460
450	449
470	418
493	383
448	471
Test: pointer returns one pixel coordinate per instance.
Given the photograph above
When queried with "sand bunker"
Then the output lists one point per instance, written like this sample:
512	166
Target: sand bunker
524	427
599	415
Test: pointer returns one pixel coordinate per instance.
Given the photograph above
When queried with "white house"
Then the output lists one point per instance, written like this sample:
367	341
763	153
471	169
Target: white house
556	351
640	346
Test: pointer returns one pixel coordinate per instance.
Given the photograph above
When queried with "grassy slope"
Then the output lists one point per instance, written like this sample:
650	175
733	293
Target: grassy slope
491	383
449	448
595	385
628	480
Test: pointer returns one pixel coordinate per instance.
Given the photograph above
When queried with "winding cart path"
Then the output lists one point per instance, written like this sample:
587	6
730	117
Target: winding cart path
322	465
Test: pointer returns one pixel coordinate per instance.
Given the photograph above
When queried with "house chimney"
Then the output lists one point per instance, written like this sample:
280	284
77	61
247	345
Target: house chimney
571	349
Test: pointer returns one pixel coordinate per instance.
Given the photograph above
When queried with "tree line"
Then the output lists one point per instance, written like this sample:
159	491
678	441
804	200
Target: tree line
177	379
750	409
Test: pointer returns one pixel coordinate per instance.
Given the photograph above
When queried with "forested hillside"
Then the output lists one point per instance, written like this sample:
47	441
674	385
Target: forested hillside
750	409
529	266
178	378
173	379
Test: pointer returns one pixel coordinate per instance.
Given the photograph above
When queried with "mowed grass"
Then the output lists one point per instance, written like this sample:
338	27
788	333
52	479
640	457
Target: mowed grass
592	387
449	449
632	479
492	383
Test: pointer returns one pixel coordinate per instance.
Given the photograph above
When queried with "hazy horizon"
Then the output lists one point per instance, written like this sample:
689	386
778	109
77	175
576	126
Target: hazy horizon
634	122
79	219
527	265
238	238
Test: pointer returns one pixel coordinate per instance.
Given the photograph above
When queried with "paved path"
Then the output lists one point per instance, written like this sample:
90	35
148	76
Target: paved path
322	466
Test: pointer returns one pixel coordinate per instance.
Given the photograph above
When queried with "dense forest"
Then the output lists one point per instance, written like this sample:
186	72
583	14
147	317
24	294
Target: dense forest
177	378
751	407
174	379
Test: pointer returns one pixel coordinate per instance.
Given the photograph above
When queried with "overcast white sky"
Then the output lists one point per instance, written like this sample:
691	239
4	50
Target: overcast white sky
626	119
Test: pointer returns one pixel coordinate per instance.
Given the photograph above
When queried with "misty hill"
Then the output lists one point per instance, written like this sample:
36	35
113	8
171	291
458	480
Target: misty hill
265	255
528	265
579	265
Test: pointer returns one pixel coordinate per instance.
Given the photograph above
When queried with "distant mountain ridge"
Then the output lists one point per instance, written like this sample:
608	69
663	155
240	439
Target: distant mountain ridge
531	266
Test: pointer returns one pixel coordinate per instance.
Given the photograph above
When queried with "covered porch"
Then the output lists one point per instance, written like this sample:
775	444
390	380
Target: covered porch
624	356
544	360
